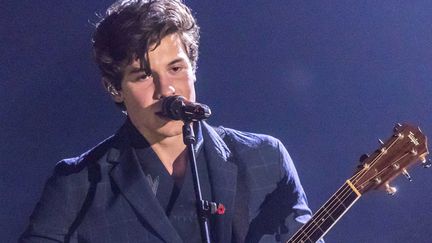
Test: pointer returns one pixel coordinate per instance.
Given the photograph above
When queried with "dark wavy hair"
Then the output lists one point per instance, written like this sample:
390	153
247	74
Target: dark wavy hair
131	26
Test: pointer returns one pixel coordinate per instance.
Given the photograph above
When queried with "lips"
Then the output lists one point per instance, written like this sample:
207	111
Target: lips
161	116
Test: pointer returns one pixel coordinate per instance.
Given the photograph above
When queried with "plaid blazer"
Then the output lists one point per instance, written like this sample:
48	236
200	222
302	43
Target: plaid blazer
103	195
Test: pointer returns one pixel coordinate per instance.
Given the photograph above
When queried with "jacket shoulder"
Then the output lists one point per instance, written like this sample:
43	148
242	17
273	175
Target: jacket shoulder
89	158
247	139
66	192
256	150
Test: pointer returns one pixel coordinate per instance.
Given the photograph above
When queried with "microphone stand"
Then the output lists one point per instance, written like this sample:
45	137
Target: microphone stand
178	108
204	208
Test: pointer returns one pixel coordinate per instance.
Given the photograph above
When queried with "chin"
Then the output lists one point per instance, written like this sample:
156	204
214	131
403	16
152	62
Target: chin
171	128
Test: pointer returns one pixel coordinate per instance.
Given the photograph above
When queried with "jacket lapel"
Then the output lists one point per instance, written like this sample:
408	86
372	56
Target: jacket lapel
223	179
131	181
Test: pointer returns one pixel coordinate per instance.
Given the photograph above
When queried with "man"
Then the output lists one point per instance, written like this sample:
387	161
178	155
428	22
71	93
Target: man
136	186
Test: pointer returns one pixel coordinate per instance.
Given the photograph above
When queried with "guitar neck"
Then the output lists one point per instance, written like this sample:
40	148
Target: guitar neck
327	215
405	147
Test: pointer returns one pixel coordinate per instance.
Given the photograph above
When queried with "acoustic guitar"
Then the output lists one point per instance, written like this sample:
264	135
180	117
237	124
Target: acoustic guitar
407	146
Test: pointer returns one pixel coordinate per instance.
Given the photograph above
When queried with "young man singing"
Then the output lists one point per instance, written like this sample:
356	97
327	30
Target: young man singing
137	185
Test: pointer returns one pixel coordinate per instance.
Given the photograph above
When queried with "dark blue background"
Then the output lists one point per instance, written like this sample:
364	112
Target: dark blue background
326	77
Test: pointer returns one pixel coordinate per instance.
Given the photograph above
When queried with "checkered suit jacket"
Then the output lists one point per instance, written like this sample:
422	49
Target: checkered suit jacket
103	196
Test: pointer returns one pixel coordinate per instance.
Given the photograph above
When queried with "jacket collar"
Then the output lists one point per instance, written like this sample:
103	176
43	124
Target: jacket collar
131	181
223	179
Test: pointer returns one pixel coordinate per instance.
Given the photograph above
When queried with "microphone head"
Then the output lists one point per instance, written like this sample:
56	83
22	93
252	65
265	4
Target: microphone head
179	108
171	106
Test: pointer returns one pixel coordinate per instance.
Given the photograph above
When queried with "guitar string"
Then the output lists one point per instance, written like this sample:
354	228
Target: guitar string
321	214
382	153
354	179
314	223
344	194
387	167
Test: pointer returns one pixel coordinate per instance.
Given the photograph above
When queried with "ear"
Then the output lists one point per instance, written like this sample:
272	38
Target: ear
115	94
194	76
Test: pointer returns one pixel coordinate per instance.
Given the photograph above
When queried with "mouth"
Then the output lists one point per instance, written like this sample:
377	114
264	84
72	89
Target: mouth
161	116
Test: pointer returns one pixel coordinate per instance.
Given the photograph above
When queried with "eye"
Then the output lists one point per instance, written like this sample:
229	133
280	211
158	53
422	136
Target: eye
144	76
176	69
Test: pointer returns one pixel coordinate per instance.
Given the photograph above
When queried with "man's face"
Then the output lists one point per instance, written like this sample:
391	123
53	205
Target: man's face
171	73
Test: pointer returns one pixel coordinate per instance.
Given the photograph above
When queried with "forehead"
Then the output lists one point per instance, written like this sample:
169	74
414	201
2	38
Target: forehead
171	46
170	49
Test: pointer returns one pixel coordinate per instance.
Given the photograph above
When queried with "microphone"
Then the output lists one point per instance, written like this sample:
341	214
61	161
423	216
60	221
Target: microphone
179	108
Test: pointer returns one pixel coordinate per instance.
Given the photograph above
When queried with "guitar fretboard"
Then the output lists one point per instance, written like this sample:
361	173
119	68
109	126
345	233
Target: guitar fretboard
327	215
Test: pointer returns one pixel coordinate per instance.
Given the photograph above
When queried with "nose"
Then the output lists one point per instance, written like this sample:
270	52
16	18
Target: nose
164	87
168	90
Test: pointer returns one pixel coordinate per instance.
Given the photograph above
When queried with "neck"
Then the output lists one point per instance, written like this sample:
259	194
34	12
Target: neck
169	150
167	145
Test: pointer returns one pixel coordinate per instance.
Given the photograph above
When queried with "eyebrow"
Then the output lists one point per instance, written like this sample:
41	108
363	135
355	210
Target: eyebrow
135	70
180	59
